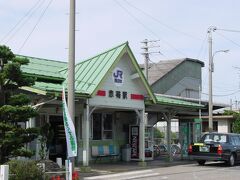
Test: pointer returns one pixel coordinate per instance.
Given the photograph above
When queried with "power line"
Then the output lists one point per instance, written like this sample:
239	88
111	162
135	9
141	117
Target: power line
201	48
147	28
23	17
228	39
184	85
39	19
163	24
222	95
21	22
229	30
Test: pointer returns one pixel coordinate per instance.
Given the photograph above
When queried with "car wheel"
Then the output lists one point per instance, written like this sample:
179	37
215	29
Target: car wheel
231	161
201	162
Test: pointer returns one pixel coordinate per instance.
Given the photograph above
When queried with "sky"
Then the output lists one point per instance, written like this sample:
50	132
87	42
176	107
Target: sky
39	28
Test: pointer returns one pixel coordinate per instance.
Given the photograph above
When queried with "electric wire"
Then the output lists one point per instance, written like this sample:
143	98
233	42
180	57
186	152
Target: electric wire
33	29
201	48
22	22
226	38
229	30
23	17
184	85
147	28
223	95
163	24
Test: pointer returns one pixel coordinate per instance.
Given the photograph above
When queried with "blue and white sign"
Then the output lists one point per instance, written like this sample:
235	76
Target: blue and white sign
118	76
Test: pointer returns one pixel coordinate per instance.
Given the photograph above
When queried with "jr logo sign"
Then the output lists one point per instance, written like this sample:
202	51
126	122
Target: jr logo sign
118	77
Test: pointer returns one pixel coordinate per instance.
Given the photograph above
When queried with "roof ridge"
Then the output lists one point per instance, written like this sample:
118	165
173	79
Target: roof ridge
41	58
106	51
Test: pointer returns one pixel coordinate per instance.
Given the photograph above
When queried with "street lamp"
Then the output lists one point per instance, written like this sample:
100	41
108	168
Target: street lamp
224	51
211	69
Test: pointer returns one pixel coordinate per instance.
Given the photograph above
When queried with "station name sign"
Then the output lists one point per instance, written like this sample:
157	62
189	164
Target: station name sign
119	95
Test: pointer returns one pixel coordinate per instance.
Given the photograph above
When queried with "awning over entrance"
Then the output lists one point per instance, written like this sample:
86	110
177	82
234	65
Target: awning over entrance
162	100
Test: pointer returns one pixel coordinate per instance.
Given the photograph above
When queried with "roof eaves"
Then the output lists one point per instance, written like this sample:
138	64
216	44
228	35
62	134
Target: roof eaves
196	61
45	77
34	90
178	103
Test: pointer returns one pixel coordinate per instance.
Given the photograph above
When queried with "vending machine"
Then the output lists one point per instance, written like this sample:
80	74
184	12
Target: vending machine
134	142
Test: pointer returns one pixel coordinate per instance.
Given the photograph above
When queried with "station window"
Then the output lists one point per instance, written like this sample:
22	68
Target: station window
102	126
97	126
107	126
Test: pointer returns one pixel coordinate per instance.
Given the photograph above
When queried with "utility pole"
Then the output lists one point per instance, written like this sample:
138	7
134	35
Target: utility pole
210	70
146	57
71	64
231	104
146	53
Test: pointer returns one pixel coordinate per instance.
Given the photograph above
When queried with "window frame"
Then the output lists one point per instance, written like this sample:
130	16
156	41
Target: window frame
103	115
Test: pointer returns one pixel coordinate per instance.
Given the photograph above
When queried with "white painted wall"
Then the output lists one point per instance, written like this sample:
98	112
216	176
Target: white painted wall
131	86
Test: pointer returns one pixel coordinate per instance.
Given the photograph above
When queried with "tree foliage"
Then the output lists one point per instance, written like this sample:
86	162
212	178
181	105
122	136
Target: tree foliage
157	133
14	107
46	137
236	122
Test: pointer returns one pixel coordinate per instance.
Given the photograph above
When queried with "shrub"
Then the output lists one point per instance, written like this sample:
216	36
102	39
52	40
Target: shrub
25	170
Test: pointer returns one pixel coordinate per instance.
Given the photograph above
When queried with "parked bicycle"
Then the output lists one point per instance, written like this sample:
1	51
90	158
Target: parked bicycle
161	150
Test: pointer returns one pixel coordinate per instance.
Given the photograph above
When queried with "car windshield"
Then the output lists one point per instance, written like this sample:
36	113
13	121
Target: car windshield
217	138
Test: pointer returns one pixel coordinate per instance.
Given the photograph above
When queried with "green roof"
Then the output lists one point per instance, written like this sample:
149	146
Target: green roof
176	102
43	68
91	73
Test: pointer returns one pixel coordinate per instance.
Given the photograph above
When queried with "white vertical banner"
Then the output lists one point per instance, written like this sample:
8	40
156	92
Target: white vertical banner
69	129
4	172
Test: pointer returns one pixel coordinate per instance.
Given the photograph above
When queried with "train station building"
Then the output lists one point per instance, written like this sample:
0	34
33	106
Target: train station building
115	106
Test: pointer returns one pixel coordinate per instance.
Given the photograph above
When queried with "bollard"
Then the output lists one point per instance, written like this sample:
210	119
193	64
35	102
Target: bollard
67	169
75	175
59	162
70	170
4	172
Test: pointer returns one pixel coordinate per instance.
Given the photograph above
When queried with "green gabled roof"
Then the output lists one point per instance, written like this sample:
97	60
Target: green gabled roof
45	88
91	73
176	102
43	68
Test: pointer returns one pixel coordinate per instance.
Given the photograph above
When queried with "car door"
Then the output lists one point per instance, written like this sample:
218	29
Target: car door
238	147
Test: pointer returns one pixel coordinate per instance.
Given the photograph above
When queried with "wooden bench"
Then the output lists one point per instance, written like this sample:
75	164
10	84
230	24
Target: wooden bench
101	151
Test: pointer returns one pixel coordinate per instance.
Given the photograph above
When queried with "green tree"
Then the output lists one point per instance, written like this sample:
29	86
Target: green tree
14	107
236	122
46	137
157	133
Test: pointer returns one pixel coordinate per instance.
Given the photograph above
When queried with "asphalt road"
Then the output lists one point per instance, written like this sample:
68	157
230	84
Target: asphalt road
210	171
